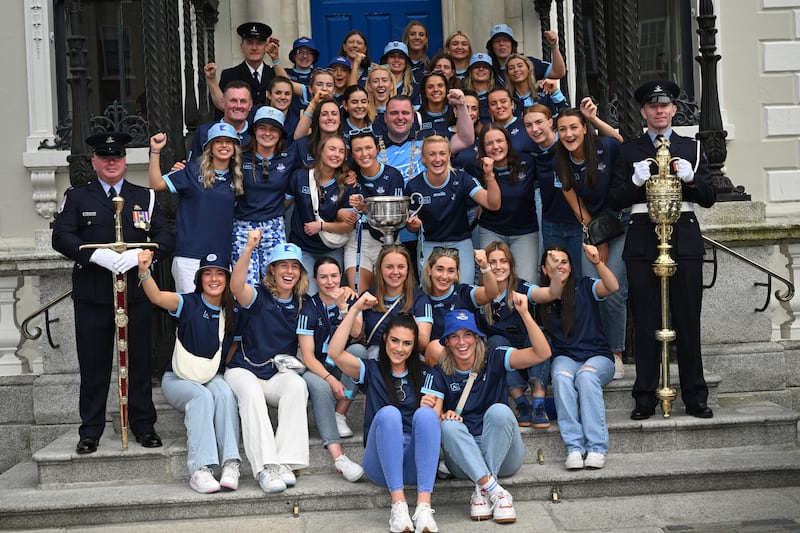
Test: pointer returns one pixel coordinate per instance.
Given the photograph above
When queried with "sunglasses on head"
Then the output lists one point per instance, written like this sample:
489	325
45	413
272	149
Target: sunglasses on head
445	250
358	131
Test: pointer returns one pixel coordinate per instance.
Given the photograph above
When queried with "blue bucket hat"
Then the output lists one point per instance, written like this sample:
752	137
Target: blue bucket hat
456	320
394	46
500	29
221	129
286	251
307	42
209	261
269	115
340	60
480	57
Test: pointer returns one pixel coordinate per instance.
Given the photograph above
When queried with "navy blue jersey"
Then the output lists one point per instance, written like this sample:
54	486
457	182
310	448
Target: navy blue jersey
587	339
299	152
595	198
264	191
541	70
517	214
436	123
520	142
204	220
418	69
300	75
506	322
420	309
467	159
483	107
330	201
268	327
198	327
488	388
319	321
554	206
444	211
461	296
377	396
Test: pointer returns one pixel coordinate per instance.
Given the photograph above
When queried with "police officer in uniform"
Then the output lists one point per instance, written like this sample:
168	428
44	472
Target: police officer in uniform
256	40
86	216
631	172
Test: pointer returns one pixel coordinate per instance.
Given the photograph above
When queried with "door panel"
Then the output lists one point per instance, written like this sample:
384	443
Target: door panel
381	21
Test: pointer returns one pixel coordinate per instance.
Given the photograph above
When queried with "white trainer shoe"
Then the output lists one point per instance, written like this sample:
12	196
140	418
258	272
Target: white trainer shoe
574	460
479	508
341	425
423	519
503	507
270	480
595	460
351	471
203	481
230	474
399	521
619	369
287	476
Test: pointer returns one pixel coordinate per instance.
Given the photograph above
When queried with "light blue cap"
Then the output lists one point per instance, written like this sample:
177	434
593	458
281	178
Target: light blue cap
480	57
394	46
269	115
222	129
286	251
500	29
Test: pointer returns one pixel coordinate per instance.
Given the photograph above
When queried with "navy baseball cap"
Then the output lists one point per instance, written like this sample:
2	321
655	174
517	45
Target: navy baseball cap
111	144
209	261
340	60
254	30
456	320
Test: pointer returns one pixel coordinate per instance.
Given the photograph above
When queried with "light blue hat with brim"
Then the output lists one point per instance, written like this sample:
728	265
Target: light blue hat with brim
286	251
222	129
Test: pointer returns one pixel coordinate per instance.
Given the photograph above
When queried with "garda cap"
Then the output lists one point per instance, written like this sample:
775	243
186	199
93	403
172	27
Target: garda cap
254	30
111	144
657	92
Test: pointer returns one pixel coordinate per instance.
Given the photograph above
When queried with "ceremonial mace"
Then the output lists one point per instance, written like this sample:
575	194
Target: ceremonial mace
664	208
121	314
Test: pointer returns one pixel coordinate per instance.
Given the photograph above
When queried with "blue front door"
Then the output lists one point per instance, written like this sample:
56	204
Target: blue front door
381	21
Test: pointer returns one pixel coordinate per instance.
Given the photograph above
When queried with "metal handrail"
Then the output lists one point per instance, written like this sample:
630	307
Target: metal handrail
788	295
38	331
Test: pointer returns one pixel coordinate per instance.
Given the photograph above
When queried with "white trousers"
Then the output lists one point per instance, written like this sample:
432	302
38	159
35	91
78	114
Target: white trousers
262	444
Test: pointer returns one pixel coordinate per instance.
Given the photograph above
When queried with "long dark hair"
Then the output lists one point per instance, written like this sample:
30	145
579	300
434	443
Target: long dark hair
513	160
413	363
563	165
424	97
226	302
317	135
567	302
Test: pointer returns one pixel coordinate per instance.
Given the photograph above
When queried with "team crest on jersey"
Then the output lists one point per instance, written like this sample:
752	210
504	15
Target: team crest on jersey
141	219
455	387
380	190
334	198
556	182
305	190
513	132
601	166
280	167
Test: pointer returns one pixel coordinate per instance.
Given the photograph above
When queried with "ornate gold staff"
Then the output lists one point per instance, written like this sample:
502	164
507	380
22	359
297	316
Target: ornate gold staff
121	314
664	208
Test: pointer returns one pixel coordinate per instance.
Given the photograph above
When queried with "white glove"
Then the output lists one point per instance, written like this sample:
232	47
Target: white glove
127	260
683	169
105	258
641	173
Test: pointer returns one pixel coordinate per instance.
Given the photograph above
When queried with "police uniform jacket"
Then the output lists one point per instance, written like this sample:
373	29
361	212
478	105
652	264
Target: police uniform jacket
641	242
242	72
87	217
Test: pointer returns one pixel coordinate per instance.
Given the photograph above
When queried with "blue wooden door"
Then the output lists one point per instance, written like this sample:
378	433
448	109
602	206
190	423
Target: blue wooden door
381	21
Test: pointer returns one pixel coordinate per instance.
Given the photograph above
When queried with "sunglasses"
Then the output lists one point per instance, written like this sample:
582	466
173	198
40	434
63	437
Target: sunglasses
400	391
264	170
445	250
373	67
496	307
358	131
325	70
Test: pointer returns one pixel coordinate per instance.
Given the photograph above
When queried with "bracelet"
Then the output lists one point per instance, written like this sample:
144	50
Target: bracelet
597	263
320	225
486	270
326	377
344	310
276	62
149	273
309	115
152	152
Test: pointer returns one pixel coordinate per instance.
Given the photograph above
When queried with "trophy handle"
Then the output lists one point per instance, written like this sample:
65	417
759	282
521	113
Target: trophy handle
421	199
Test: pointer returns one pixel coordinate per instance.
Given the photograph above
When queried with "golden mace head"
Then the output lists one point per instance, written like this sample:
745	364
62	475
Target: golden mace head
664	194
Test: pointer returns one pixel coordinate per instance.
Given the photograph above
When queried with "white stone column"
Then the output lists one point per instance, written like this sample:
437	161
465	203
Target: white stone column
790	329
10	364
41	74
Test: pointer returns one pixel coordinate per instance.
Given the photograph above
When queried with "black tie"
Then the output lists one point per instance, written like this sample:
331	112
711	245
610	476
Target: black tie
112	192
659	139
255	76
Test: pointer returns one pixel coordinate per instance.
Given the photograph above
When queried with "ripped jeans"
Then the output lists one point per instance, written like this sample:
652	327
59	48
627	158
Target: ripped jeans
578	394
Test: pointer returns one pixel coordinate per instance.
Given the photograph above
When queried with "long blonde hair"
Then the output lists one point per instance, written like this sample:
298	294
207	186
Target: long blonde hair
531	76
234	167
448	360
513	280
427	270
299	290
372	106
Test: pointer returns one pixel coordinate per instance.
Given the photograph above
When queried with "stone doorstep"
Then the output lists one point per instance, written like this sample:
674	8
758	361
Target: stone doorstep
743	425
22	505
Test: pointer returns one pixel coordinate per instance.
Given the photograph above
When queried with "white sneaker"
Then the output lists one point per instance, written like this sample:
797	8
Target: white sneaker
574	461
351	471
595	460
270	480
203	481
341	425
287	476
479	508
423	519
442	472
230	474
399	521
503	507
619	369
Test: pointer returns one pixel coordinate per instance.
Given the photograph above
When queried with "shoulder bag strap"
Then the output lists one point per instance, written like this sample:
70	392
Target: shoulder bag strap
372	333
462	400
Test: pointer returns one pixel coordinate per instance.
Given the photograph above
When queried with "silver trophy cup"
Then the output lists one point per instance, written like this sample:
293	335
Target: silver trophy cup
388	213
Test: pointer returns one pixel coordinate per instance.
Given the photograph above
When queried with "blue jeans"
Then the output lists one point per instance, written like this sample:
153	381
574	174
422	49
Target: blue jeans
569	236
499	451
578	393
308	263
614	309
524	248
540	373
323	405
393	459
211	418
466	259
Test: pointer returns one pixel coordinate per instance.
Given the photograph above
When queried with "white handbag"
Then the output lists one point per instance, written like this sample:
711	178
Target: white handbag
191	367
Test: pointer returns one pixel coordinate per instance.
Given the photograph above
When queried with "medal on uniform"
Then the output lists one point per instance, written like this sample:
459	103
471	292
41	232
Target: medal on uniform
141	218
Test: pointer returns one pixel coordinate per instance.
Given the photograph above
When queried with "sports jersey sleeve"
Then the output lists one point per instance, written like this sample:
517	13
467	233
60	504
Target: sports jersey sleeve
177	312
433	383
